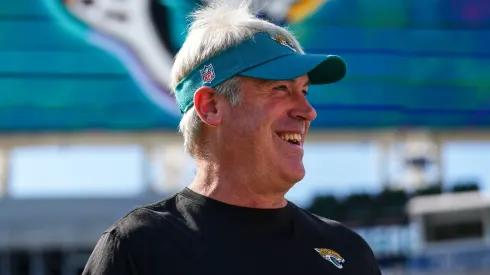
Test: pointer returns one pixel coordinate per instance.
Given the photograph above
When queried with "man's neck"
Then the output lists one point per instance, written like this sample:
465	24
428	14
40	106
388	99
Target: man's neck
235	187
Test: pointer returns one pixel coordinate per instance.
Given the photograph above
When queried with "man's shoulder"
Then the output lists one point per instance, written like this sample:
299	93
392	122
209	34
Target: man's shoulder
335	228
318	220
144	220
126	245
344	238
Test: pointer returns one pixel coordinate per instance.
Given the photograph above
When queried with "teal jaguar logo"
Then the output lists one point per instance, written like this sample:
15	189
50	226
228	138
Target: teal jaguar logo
146	34
331	256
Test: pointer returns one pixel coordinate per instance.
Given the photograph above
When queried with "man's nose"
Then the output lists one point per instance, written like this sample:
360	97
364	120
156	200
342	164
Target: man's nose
303	110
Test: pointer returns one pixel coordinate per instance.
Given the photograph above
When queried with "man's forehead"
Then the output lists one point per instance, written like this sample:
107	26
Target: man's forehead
302	80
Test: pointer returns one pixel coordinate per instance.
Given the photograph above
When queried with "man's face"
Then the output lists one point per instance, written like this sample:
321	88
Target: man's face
266	131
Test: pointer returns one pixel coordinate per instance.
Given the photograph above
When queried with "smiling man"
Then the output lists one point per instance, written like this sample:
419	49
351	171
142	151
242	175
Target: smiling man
241	84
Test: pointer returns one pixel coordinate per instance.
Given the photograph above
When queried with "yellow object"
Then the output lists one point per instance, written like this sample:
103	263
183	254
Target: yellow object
302	9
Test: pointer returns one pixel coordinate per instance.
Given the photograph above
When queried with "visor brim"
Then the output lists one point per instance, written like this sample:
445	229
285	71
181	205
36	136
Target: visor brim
321	69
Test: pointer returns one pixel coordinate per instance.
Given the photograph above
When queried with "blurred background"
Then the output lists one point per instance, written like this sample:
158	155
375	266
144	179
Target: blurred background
400	151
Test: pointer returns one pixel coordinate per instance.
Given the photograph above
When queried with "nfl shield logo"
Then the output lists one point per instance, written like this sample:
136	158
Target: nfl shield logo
207	73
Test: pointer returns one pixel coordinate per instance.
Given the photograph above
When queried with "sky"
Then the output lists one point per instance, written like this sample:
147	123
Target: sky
83	171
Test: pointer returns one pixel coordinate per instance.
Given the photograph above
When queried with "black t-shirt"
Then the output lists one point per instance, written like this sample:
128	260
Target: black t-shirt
192	234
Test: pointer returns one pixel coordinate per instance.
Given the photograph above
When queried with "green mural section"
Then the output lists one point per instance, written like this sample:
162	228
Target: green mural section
410	63
52	80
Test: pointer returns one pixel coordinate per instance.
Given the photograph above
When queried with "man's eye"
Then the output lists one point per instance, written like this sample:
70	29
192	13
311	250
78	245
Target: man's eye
305	92
281	88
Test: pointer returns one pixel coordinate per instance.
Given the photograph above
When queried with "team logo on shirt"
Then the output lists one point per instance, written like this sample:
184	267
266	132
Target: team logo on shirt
331	256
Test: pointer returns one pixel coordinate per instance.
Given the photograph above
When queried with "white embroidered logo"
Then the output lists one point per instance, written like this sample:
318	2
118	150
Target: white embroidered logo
207	73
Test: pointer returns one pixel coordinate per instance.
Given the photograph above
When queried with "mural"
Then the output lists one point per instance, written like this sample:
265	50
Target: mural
146	34
412	63
78	65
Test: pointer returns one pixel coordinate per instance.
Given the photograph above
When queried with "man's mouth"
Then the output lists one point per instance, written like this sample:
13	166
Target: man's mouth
294	138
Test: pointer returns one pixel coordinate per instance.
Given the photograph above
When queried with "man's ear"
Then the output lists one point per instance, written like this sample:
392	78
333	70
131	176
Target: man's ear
206	105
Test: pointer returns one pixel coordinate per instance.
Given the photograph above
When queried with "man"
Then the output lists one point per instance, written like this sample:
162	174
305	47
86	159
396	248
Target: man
241	84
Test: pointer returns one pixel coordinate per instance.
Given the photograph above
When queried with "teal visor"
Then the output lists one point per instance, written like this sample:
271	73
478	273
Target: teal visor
263	56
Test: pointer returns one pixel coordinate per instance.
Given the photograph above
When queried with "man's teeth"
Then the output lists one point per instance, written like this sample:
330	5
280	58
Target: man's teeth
291	137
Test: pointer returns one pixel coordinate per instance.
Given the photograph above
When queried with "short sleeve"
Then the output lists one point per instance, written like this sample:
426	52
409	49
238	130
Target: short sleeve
110	257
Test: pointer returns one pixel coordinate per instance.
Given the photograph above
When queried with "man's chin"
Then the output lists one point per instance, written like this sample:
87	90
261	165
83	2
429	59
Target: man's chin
294	174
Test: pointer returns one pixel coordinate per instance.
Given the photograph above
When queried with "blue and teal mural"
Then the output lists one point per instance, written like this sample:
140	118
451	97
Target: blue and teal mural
104	65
